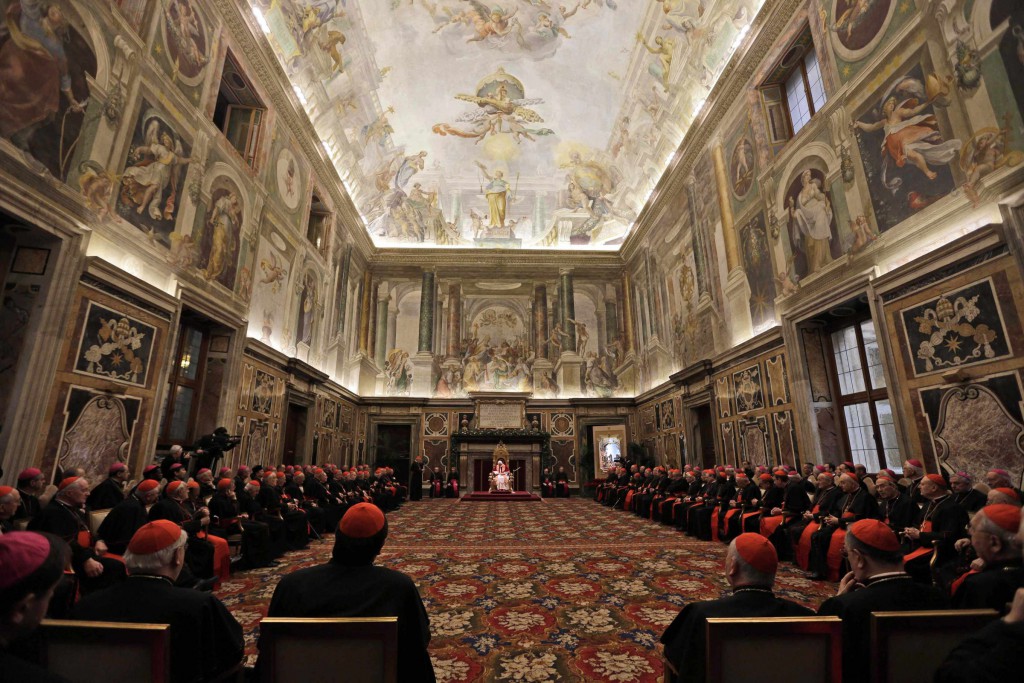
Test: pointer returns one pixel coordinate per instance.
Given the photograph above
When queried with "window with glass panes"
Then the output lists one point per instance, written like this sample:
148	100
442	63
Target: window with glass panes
865	412
185	384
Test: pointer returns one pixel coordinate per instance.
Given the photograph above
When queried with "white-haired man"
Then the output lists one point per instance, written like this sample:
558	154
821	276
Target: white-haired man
750	566
994	654
993	535
64	517
205	639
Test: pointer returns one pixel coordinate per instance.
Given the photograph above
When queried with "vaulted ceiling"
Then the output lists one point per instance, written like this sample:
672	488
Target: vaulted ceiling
506	123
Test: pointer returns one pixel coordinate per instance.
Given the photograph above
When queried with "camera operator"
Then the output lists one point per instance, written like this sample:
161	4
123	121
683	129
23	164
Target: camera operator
211	447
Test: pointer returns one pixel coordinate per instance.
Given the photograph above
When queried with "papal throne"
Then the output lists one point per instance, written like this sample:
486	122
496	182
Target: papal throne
497	482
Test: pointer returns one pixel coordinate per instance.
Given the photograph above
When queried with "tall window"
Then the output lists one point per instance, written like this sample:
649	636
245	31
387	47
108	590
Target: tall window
793	91
185	385
239	112
865	412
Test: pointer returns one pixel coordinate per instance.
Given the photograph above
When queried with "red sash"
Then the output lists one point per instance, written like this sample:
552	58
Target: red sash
714	524
803	548
923	551
455	485
628	504
834	557
770	524
960	581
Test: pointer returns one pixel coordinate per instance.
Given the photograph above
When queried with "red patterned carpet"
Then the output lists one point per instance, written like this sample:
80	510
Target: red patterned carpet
560	590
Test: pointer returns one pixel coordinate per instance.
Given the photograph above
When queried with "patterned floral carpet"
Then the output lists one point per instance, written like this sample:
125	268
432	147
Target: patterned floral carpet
559	590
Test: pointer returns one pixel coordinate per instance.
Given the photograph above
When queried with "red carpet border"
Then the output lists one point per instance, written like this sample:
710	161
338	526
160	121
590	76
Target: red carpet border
562	590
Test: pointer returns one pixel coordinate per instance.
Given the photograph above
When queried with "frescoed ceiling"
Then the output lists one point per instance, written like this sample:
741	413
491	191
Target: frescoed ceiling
505	123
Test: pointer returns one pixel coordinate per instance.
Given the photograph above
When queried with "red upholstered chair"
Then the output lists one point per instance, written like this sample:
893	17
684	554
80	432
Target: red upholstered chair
312	650
101	651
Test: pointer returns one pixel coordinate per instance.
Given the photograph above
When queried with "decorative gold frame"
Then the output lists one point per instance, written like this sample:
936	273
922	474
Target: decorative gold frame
602	436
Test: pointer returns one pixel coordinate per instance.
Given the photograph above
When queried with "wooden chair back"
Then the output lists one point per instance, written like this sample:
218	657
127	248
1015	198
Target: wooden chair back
102	651
96	518
311	650
779	649
897	639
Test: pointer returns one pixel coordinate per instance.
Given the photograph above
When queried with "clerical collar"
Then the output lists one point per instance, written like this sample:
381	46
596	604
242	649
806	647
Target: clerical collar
886	577
752	589
151	577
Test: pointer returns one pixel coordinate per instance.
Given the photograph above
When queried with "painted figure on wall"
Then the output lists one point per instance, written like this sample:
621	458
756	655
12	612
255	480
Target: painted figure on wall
496	192
757	262
501	109
217	244
151	186
307	309
906	155
741	167
186	38
857	22
811	223
44	65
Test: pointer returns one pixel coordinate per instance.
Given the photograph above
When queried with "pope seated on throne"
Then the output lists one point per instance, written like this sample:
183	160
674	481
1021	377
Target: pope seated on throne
500	478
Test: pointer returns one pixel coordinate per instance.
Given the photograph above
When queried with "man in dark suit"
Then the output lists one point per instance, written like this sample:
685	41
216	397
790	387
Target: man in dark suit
876	582
109	492
750	566
349	585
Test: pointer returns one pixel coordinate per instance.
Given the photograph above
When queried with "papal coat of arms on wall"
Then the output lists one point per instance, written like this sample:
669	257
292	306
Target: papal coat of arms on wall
115	346
959	328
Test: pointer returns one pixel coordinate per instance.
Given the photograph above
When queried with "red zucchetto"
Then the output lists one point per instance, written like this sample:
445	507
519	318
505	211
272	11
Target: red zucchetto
21	553
758	552
362	520
1004	516
224	484
66	482
147	485
938	480
875	534
154	537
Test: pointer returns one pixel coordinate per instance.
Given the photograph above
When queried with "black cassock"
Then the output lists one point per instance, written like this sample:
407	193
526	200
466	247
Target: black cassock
70	524
684	639
121	523
205	639
255	535
562	485
892	593
991	588
107	494
334	590
416	481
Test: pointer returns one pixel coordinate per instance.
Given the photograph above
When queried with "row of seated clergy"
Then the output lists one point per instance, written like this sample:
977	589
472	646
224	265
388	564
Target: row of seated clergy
205	638
440	485
719	504
876	583
554	486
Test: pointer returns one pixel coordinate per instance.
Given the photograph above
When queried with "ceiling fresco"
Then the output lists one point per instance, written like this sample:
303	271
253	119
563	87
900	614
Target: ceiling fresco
502	124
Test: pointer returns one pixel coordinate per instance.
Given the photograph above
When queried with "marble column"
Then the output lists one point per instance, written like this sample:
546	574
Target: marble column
737	288
627	314
425	368
542	365
454	319
569	364
380	347
565	295
540	319
428	299
364	314
392	325
611	321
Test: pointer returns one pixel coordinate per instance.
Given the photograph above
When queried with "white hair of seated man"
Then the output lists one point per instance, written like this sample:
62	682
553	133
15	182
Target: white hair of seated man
161	562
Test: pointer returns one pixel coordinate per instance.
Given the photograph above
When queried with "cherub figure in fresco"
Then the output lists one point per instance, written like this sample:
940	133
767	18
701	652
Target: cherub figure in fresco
662	50
910	134
984	153
463	18
495	22
849	19
184	24
332	46
863	235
